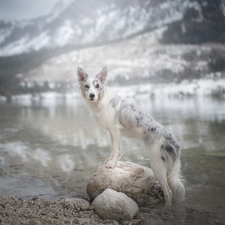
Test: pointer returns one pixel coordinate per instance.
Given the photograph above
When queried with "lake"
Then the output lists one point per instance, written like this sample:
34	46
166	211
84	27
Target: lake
50	147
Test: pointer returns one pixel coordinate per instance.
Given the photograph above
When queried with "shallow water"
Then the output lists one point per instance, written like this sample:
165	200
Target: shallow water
50	148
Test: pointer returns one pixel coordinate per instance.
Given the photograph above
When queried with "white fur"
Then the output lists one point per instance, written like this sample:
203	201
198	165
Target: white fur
121	118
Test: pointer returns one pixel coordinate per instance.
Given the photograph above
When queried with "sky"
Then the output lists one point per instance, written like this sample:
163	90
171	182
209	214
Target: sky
25	9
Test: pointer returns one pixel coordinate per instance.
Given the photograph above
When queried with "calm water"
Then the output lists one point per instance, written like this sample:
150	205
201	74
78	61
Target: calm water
50	148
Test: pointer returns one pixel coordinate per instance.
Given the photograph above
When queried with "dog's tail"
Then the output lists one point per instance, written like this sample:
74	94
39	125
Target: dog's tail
175	183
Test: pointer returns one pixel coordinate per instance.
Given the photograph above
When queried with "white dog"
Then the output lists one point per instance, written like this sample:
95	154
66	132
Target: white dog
121	118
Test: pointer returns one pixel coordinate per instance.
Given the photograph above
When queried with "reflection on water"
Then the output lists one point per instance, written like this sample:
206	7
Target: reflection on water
52	147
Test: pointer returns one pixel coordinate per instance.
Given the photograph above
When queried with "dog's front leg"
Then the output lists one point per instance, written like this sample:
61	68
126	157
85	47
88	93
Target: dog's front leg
112	149
116	140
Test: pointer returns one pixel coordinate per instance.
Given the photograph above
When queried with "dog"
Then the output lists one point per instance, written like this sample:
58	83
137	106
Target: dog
125	119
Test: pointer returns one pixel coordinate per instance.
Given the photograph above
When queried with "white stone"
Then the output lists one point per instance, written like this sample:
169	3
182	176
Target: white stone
137	182
115	205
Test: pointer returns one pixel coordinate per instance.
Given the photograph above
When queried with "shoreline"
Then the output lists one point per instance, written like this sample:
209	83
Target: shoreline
207	87
37	211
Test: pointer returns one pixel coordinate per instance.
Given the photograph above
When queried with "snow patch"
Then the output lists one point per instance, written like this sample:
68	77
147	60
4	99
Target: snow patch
16	47
65	34
202	87
39	42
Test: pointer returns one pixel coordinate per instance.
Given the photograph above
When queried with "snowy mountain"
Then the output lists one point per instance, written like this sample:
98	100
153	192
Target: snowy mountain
137	60
75	23
140	41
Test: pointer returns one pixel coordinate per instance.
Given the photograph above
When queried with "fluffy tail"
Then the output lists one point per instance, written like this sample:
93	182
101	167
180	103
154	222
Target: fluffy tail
175	183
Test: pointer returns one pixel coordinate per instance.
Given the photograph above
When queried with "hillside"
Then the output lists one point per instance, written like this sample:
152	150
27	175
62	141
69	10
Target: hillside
139	40
79	23
138	60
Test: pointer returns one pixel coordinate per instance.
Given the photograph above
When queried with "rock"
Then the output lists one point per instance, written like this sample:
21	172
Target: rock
137	182
115	205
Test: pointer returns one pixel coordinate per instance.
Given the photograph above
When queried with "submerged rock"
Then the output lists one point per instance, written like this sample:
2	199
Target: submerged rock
115	205
137	182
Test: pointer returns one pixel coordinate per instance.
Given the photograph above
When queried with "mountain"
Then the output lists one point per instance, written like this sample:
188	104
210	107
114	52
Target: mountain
201	24
141	59
75	23
161	40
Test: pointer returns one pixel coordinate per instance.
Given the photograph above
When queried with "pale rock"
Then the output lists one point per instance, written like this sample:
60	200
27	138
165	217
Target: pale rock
114	205
137	182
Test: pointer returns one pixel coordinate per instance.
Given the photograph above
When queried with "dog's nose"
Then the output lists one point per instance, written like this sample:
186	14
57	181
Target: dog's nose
92	95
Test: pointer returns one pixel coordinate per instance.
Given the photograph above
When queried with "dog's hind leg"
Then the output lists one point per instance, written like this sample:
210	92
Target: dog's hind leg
116	141
160	175
160	172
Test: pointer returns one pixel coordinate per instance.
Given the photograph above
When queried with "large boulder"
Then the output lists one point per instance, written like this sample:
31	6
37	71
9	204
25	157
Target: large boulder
113	205
137	182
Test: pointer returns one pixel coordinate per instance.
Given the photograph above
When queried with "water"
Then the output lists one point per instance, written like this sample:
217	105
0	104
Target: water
50	148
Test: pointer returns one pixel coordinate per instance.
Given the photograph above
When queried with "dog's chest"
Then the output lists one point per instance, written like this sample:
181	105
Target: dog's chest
104	116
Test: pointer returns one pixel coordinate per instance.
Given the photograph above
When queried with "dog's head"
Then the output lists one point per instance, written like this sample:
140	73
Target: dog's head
92	89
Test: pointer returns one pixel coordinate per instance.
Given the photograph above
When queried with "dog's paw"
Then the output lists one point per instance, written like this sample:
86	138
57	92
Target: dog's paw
107	160
110	164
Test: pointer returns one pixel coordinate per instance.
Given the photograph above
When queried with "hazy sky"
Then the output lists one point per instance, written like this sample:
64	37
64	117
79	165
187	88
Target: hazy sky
24	9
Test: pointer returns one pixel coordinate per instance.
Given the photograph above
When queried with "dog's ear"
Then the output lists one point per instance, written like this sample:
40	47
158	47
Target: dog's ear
102	75
81	75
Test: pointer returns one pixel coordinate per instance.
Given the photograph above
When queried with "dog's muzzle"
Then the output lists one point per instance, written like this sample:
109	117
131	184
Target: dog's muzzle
92	96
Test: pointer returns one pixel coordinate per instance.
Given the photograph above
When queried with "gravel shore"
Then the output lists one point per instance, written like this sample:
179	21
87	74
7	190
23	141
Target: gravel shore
37	211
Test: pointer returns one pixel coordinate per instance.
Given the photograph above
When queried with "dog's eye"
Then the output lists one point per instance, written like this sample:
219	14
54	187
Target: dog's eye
86	86
97	86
